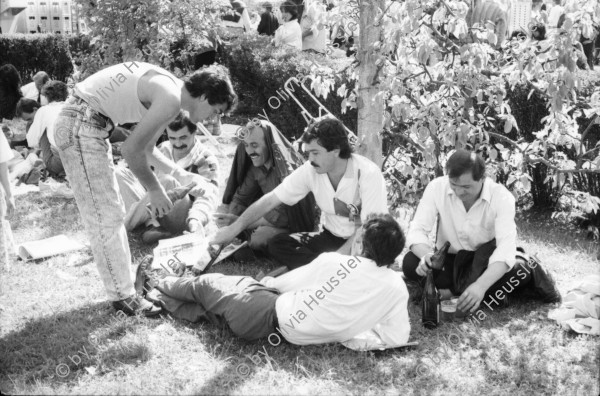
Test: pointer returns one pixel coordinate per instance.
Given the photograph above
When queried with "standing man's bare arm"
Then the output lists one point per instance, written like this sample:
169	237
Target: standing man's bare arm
164	98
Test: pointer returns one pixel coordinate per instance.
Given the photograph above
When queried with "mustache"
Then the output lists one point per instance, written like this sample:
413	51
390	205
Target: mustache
313	164
180	147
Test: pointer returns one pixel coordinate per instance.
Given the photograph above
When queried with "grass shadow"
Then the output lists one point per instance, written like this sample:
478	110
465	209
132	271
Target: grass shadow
61	345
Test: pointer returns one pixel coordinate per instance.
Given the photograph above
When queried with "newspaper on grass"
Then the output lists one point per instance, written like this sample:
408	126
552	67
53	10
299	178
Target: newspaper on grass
47	247
192	250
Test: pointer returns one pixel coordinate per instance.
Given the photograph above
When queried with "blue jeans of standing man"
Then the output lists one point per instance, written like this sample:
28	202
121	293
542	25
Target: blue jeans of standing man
81	135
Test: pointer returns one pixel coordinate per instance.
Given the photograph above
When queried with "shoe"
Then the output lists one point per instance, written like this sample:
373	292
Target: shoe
153	275
134	305
145	278
152	296
542	282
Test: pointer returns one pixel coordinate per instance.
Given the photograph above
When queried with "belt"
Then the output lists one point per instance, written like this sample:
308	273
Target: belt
96	115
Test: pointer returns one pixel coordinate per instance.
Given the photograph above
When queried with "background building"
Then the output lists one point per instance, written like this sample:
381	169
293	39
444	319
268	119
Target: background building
40	16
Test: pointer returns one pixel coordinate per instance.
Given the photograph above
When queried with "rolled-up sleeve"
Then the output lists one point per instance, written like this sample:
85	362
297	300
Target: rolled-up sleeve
295	186
373	193
505	228
424	220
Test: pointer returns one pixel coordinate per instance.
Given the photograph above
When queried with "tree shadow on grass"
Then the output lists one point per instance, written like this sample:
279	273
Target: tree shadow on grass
57	347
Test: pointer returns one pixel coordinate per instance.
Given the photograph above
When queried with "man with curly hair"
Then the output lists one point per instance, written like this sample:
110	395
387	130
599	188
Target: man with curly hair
130	92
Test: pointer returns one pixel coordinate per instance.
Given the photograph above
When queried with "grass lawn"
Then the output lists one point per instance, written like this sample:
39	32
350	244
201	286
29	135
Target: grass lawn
58	334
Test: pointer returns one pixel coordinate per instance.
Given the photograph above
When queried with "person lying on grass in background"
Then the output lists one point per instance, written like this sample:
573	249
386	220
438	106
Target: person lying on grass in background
357	299
477	216
189	213
262	161
131	92
347	187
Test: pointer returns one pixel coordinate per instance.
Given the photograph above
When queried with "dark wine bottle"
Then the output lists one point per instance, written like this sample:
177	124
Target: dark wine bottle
431	303
438	258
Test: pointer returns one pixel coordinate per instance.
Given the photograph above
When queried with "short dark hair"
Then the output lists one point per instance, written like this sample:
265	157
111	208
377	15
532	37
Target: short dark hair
182	121
25	105
463	161
268	6
331	134
290	8
383	239
55	91
213	82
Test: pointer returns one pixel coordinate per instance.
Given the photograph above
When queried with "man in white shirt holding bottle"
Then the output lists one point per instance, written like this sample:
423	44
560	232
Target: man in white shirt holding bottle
477	216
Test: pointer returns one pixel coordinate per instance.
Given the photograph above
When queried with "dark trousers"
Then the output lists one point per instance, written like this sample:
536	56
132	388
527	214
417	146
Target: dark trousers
241	302
468	267
296	250
51	158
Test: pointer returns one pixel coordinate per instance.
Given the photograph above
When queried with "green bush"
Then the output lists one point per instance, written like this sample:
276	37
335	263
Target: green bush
259	72
31	53
528	112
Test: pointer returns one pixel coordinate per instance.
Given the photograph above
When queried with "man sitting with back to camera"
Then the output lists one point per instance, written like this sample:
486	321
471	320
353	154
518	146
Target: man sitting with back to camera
477	216
189	213
346	186
262	161
41	133
356	300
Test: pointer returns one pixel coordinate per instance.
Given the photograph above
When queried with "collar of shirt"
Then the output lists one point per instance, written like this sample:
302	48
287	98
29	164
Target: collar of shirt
349	169
266	167
486	191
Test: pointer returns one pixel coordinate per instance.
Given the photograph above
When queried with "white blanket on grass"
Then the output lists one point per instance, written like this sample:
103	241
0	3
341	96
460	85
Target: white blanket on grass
580	310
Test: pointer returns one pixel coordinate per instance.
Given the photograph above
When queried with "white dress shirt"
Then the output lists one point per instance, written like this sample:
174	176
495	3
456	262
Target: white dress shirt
491	216
44	120
339	298
371	185
30	91
289	34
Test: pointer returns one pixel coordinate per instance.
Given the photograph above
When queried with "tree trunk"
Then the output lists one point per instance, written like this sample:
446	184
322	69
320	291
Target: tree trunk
370	105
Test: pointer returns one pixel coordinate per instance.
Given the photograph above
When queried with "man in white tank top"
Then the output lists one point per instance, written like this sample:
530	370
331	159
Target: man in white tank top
123	93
